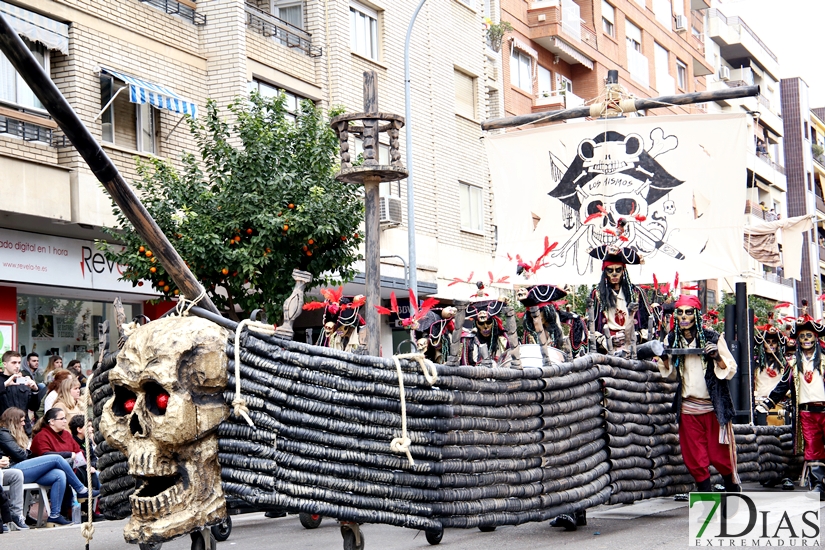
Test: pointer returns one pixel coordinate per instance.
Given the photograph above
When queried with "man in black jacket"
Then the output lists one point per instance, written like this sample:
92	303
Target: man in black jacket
17	390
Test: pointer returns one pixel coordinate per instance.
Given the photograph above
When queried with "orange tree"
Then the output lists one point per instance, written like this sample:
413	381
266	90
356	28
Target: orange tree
260	201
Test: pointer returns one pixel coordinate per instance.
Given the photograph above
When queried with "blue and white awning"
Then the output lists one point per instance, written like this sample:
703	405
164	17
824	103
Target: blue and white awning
143	91
37	28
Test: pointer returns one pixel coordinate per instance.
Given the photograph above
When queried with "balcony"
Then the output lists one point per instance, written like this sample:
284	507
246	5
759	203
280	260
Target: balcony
281	31
557	100
30	127
820	206
556	26
821	253
737	41
774	278
183	8
638	66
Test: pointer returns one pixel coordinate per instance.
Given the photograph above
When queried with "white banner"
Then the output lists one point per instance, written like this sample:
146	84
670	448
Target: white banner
677	183
57	261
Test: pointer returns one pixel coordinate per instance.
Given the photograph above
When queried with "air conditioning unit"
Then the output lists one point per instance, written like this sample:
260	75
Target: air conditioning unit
681	23
390	211
724	73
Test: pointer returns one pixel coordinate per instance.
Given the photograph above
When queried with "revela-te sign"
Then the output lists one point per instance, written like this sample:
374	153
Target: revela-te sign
754	520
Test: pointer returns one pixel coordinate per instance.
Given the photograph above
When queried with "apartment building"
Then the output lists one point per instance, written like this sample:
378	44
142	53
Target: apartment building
804	166
740	58
560	51
107	59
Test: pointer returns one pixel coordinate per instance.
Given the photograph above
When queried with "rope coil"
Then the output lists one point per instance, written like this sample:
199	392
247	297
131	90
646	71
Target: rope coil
239	403
183	306
402	444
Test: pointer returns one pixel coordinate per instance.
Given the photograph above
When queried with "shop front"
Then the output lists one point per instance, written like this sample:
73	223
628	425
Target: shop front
55	291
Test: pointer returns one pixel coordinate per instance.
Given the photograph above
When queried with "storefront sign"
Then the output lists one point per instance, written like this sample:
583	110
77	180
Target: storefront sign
58	261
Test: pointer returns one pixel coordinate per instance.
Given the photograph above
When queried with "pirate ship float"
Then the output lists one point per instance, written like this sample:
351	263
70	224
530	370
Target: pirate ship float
197	408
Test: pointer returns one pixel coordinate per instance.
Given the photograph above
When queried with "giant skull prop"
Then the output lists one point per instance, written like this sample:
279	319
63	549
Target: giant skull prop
173	449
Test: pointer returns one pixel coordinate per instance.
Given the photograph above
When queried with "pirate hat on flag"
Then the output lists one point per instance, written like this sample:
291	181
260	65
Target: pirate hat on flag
542	294
616	255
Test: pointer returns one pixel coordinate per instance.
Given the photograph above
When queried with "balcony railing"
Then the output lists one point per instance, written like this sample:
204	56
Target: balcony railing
283	32
698	42
821	253
731	21
766	157
638	66
774	278
184	8
29	128
588	37
820	204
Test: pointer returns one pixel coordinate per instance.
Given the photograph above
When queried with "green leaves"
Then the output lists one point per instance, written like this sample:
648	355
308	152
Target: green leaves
258	200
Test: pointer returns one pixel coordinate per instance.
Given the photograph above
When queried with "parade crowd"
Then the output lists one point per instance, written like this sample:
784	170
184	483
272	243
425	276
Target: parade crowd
43	430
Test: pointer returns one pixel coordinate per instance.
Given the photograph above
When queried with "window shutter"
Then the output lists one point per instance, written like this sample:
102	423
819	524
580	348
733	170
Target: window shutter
465	97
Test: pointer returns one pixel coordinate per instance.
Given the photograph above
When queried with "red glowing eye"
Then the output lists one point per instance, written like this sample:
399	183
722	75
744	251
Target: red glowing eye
129	405
162	401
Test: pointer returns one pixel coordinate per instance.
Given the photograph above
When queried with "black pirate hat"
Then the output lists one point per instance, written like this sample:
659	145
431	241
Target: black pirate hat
491	306
806	322
769	333
609	254
542	294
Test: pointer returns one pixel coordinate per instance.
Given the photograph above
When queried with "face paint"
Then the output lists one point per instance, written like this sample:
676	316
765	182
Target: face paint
484	323
614	274
686	317
806	339
770	345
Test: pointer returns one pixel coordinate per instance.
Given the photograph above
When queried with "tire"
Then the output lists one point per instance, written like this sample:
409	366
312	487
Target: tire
150	545
349	540
197	540
310	521
222	530
486	528
434	537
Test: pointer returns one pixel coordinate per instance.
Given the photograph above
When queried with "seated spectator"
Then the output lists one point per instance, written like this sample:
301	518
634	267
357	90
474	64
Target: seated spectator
50	469
14	480
5	512
68	397
55	364
78	428
57	379
17	390
77	369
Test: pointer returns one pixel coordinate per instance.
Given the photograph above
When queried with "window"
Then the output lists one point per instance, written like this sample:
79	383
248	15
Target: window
290	11
633	34
608	19
565	84
545	81
471	207
681	75
293	101
661	58
363	30
465	95
13	89
521	70
663	10
127	124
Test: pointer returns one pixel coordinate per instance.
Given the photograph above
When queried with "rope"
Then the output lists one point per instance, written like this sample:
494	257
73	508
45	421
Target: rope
88	529
402	444
127	330
183	306
239	403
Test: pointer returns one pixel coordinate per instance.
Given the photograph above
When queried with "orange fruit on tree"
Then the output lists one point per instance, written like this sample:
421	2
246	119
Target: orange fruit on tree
148	253
166	288
311	241
291	206
309	252
305	248
237	238
225	271
249	231
162	283
141	249
286	227
177	292
152	269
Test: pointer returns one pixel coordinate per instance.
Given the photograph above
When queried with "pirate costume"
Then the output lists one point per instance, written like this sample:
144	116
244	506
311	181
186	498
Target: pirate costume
610	306
807	389
703	405
486	342
770	367
542	316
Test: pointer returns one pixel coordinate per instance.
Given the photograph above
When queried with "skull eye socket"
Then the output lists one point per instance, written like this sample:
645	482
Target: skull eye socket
626	207
124	401
593	207
156	398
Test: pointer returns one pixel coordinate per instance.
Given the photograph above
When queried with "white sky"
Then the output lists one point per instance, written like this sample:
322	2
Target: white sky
791	29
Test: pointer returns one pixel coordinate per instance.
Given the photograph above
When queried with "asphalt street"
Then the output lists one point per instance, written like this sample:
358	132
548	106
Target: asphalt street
653	524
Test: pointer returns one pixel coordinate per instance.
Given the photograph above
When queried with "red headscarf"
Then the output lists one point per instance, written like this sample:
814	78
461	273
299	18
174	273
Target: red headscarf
688	300
608	263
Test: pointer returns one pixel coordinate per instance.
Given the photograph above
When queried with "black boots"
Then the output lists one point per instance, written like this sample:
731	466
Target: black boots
730	486
570	522
704	486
